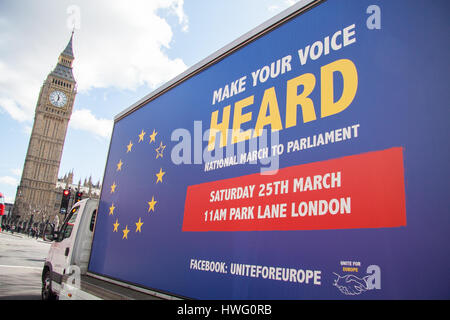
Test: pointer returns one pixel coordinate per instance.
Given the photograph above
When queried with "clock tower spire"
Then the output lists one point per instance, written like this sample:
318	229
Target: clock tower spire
64	67
36	195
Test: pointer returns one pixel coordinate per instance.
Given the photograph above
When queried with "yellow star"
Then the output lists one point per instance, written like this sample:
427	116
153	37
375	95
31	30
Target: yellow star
119	165
141	136
116	225
160	150
139	225
151	205
160	175
125	233
129	146
113	187
111	209
153	136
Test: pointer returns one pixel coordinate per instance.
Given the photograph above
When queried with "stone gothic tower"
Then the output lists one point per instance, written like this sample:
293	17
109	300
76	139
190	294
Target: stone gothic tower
35	196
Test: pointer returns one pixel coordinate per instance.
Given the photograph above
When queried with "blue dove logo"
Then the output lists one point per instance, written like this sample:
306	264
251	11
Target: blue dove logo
351	285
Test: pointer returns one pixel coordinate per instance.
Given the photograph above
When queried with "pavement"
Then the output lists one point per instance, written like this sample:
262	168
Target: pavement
21	261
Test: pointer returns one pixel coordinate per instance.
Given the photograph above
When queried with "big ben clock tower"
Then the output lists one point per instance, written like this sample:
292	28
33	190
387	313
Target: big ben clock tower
35	196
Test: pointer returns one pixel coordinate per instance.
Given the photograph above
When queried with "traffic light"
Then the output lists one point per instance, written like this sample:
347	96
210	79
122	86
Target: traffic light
65	201
78	196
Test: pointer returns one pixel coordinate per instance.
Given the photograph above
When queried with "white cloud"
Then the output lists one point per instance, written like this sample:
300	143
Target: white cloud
9	181
177	7
120	44
84	120
127	48
11	107
17	90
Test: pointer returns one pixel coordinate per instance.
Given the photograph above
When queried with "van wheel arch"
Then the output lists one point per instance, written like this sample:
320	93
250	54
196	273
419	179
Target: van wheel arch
47	292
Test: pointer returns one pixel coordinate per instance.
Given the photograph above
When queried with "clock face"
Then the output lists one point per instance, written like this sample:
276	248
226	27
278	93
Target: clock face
58	98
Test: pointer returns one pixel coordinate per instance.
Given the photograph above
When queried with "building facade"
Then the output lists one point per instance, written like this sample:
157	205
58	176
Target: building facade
36	196
87	188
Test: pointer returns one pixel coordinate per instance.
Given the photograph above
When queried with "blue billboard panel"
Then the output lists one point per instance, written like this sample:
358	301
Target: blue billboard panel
310	163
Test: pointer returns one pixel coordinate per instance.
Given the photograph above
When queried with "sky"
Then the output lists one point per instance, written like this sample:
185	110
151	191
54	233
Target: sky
123	51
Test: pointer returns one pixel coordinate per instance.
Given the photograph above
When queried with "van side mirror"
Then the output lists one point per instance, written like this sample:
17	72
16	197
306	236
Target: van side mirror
48	237
55	235
50	234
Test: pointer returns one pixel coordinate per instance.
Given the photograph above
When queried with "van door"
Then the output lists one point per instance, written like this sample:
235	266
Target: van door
63	245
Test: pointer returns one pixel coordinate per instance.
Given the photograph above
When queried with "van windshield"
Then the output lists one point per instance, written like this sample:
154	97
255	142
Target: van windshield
66	230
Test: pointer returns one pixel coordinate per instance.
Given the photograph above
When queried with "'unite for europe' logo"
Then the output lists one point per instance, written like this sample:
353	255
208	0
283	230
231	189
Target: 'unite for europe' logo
119	226
352	284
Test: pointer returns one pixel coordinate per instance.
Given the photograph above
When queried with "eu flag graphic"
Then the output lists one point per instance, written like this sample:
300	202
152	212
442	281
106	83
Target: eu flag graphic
133	210
130	224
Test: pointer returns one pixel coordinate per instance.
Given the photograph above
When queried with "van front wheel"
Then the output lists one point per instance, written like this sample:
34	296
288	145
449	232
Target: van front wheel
47	293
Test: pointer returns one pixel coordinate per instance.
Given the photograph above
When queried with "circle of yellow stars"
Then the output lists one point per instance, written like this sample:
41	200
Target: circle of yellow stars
159	179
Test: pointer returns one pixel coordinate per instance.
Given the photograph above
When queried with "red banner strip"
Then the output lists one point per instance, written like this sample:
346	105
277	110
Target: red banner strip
360	191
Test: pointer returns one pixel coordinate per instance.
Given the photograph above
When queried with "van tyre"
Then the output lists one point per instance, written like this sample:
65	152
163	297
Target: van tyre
47	293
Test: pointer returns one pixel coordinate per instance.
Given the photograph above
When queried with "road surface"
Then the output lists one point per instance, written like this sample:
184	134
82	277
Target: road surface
21	262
